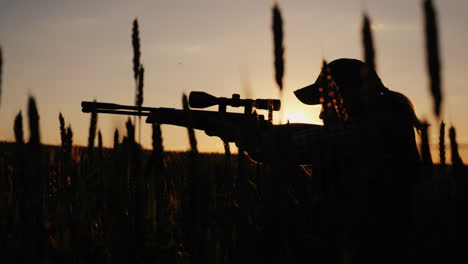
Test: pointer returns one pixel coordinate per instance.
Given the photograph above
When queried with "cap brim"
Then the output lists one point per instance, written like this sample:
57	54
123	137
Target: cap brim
308	95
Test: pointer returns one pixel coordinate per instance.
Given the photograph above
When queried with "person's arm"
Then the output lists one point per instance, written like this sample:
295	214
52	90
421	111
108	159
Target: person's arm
292	143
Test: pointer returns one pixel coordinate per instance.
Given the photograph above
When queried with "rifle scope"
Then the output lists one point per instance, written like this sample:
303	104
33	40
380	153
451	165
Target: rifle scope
203	100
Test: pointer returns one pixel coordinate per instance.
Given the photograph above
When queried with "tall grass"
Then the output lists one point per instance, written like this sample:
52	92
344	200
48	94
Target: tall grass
63	132
331	99
191	132
136	49
456	159
130	131
425	149
157	143
18	128
116	139
100	142
139	96
442	143
69	140
432	55
227	154
277	28
140	85
35	183
92	130
159	185
138	71
1	72
33	114
367	40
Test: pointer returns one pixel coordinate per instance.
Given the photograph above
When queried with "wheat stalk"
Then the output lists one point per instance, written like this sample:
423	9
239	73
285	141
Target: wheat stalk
130	131
116	139
157	138
367	40
139	96
136	48
191	132
99	141
138	71
331	97
278	46
100	152
157	143
92	130
442	143
456	159
140	84
192	209
227	150
432	51
69	139
18	127
33	114
63	132
425	150
1	72
36	180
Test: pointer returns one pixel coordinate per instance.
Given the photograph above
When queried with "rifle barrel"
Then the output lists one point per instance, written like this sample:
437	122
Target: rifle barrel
92	106
117	112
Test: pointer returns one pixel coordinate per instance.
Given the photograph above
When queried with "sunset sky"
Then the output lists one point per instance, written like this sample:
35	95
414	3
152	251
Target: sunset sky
67	51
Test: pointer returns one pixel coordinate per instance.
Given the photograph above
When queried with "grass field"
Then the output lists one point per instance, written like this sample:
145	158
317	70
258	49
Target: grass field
118	206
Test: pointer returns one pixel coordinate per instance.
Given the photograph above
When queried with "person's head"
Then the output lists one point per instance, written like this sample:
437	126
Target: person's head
352	82
349	88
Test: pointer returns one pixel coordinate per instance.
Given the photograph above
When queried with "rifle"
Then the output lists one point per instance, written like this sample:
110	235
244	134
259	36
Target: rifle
208	121
244	129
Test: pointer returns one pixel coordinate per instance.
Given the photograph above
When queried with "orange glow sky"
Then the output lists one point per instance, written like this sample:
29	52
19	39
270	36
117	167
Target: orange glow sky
65	51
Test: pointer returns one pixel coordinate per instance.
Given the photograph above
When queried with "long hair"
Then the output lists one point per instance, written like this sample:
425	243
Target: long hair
405	107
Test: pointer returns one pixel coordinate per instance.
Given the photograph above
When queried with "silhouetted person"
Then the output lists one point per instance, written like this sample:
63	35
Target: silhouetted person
365	155
370	158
